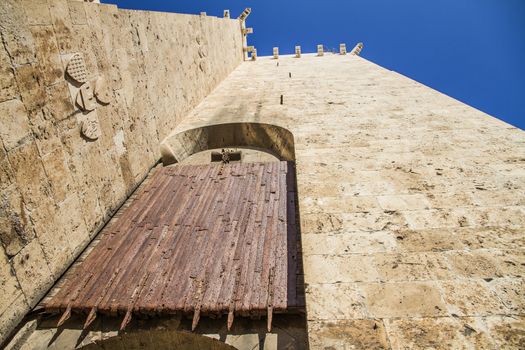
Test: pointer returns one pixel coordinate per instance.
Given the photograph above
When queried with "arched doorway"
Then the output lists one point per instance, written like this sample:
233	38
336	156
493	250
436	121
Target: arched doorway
269	138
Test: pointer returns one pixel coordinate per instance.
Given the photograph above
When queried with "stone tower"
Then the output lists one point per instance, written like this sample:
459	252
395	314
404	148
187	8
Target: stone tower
408	205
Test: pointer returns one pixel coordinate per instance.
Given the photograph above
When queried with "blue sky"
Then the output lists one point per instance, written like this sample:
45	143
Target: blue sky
472	50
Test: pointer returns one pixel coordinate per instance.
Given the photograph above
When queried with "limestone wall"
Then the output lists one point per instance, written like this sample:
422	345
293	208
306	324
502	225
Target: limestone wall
411	203
58	187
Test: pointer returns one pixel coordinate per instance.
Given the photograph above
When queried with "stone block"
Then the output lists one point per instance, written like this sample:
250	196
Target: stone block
348	243
471	298
507	331
10	286
32	271
31	86
438	333
30	175
59	104
37	12
320	50
339	204
15	124
432	240
16	229
15	32
91	164
342	49
47	54
16	311
491	237
298	51
320	303
404	202
321	223
45	131
339	269
477	263
58	174
510	291
412	267
435	218
69	218
8	88
62	24
54	242
6	173
510	261
449	200
374	221
77	12
404	299
348	334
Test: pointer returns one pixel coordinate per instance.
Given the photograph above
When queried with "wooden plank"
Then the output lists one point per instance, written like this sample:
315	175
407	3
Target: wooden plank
204	239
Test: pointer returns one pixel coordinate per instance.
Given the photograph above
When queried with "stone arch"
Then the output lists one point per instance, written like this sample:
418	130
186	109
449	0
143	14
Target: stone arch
158	339
271	138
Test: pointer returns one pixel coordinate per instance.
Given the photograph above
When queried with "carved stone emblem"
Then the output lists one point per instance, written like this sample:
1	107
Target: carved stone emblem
85	98
101	91
76	68
90	94
90	128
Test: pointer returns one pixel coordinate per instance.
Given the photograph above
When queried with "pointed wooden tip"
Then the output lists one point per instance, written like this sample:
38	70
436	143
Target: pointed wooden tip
230	320
126	320
65	316
196	318
91	317
270	316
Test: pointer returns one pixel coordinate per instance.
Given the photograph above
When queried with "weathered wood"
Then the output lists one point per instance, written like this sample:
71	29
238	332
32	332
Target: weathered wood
216	238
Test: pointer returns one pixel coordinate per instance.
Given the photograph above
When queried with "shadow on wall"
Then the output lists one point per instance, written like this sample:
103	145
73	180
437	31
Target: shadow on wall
275	139
159	339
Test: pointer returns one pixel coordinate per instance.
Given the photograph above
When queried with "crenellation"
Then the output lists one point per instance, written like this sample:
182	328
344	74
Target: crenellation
357	49
342	49
320	50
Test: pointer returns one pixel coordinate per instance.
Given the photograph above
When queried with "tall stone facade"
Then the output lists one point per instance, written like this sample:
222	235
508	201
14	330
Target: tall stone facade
411	203
65	166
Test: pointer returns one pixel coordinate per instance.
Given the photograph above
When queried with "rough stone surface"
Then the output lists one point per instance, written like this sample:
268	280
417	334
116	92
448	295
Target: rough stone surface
411	210
57	188
411	205
15	124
